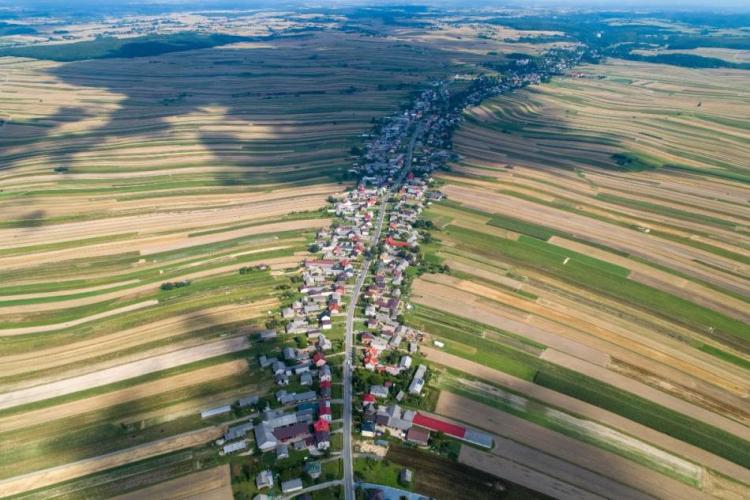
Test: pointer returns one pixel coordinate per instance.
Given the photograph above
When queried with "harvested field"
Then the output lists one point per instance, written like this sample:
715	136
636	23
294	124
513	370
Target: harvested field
211	484
577	407
121	396
438	477
592	469
42	478
122	372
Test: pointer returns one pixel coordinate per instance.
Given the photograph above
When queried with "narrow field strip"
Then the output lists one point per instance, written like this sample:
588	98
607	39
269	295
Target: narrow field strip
6	332
122	372
578	407
47	477
95	403
627	479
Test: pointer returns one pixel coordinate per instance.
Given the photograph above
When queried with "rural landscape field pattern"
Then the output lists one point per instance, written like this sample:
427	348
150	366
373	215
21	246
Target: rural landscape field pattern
577	286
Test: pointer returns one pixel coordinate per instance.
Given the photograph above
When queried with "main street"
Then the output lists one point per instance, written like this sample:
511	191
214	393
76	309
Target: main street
351	311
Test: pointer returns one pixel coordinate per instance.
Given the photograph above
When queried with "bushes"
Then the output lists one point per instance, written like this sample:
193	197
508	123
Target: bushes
170	285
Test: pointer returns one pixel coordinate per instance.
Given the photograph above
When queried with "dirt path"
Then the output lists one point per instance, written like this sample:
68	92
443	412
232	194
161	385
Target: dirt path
122	372
562	457
592	412
47	477
176	382
6	332
211	484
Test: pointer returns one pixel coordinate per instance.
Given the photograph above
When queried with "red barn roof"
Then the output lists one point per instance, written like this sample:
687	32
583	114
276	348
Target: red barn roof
439	425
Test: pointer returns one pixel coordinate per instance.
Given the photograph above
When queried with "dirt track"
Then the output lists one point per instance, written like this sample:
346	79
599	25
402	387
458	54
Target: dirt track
122	372
592	412
176	382
46	477
594	469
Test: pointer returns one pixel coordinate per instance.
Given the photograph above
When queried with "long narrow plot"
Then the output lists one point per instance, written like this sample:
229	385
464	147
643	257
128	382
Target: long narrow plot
46	477
122	372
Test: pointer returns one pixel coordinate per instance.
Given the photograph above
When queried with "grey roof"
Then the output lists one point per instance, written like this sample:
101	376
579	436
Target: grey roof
238	431
291	485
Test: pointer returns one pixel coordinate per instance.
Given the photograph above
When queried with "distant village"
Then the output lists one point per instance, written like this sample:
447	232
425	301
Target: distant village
395	185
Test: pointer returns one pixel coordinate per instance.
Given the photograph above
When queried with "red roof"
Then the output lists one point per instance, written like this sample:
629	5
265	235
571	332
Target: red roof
368	398
321	426
439	425
325	383
395	243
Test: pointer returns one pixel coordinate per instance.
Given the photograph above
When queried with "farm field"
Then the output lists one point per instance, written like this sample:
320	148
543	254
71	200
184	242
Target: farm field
595	237
577	265
132	191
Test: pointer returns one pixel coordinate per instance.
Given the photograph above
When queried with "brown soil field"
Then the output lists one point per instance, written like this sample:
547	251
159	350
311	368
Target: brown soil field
593	464
211	484
122	372
530	477
6	332
46	477
88	350
28	419
592	412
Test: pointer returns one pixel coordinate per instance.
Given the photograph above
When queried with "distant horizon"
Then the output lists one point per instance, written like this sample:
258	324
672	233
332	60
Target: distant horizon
721	6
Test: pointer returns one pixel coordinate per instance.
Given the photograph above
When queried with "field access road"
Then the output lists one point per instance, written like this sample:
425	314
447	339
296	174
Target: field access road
349	334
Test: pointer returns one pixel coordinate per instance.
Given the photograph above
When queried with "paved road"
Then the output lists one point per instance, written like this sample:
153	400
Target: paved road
349	336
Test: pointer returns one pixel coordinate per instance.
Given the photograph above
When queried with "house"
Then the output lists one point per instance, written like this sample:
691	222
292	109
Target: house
264	479
368	428
264	361
278	368
405	362
300	430
289	354
267	335
324	411
325	373
313	469
323	440
418	436
318	359
264	438
282	452
287	313
306	379
368	399
417	383
379	391
291	485
248	401
234	447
